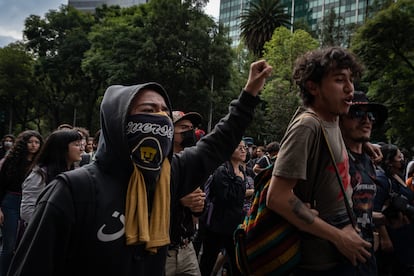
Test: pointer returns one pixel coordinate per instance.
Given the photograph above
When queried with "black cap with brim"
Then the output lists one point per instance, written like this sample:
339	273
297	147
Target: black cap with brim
379	110
193	117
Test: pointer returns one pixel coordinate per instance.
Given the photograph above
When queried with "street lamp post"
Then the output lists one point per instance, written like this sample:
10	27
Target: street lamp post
210	115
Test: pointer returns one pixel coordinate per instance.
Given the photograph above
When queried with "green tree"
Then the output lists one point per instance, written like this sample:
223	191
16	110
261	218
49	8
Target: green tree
115	39
58	41
173	43
388	55
259	21
302	24
240	73
280	93
17	89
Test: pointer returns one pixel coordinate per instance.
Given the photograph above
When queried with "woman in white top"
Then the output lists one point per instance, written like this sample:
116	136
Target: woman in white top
61	149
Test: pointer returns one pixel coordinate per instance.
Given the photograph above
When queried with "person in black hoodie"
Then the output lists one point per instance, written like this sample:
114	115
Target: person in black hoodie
112	217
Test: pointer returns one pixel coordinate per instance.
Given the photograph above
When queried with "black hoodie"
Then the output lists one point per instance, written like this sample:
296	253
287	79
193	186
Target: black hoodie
78	225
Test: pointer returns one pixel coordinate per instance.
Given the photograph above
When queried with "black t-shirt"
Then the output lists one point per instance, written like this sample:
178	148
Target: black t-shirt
362	174
264	161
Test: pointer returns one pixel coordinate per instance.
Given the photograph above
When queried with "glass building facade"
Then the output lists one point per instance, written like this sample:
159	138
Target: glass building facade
313	11
230	11
309	11
91	5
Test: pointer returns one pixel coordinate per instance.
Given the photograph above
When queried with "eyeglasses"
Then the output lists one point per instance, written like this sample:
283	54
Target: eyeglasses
240	148
360	114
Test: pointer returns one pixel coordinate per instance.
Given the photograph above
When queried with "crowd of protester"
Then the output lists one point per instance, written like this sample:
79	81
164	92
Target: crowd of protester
29	162
381	189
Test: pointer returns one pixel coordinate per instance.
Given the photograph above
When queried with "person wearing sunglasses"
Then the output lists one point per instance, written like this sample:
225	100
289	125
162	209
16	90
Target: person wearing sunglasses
356	127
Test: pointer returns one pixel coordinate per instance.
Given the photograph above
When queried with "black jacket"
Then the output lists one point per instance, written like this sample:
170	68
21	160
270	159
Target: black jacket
227	192
74	234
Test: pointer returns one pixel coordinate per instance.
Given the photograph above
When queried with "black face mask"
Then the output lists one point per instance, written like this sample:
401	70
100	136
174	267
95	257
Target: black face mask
149	140
189	138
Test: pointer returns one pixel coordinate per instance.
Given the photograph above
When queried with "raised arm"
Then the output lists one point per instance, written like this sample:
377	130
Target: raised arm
198	162
259	72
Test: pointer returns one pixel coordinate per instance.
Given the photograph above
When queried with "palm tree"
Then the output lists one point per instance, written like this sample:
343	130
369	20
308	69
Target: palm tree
258	22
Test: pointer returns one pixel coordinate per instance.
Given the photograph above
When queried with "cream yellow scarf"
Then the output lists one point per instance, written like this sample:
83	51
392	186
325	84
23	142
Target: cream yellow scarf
139	228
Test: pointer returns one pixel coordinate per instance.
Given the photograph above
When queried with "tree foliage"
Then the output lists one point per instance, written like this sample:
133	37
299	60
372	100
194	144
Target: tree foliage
58	41
72	57
259	21
18	93
280	93
385	44
169	42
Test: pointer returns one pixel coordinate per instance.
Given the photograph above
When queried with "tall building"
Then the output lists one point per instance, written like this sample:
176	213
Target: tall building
91	5
230	10
309	11
313	11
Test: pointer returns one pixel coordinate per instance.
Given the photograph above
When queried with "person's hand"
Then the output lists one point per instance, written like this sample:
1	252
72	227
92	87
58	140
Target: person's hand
194	200
259	72
1	218
374	152
352	246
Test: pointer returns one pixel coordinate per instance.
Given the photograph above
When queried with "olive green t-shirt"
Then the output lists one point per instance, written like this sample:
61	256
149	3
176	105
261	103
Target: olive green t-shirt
304	156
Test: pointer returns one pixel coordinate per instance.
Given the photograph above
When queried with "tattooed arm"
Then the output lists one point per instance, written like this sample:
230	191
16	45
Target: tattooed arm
301	211
282	200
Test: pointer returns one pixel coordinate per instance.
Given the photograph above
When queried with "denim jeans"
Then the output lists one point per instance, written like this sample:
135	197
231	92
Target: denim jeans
10	207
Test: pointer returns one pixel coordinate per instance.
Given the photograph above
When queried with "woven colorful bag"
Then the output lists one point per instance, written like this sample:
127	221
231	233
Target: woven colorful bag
266	243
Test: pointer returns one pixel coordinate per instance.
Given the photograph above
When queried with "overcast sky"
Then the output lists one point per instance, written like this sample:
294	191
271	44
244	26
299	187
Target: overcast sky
14	12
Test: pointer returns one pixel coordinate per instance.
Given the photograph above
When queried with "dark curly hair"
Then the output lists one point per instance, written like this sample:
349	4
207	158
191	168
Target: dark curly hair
314	65
15	163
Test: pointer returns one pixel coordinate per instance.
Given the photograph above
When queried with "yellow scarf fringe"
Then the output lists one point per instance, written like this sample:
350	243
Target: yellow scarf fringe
139	227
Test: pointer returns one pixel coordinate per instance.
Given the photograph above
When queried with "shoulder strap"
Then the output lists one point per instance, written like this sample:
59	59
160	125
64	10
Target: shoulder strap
347	206
300	113
268	160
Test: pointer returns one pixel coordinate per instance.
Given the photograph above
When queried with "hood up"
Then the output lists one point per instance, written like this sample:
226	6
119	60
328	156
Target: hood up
113	154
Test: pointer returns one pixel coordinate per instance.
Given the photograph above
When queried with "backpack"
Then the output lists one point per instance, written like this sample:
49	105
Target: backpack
210	198
265	243
208	203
